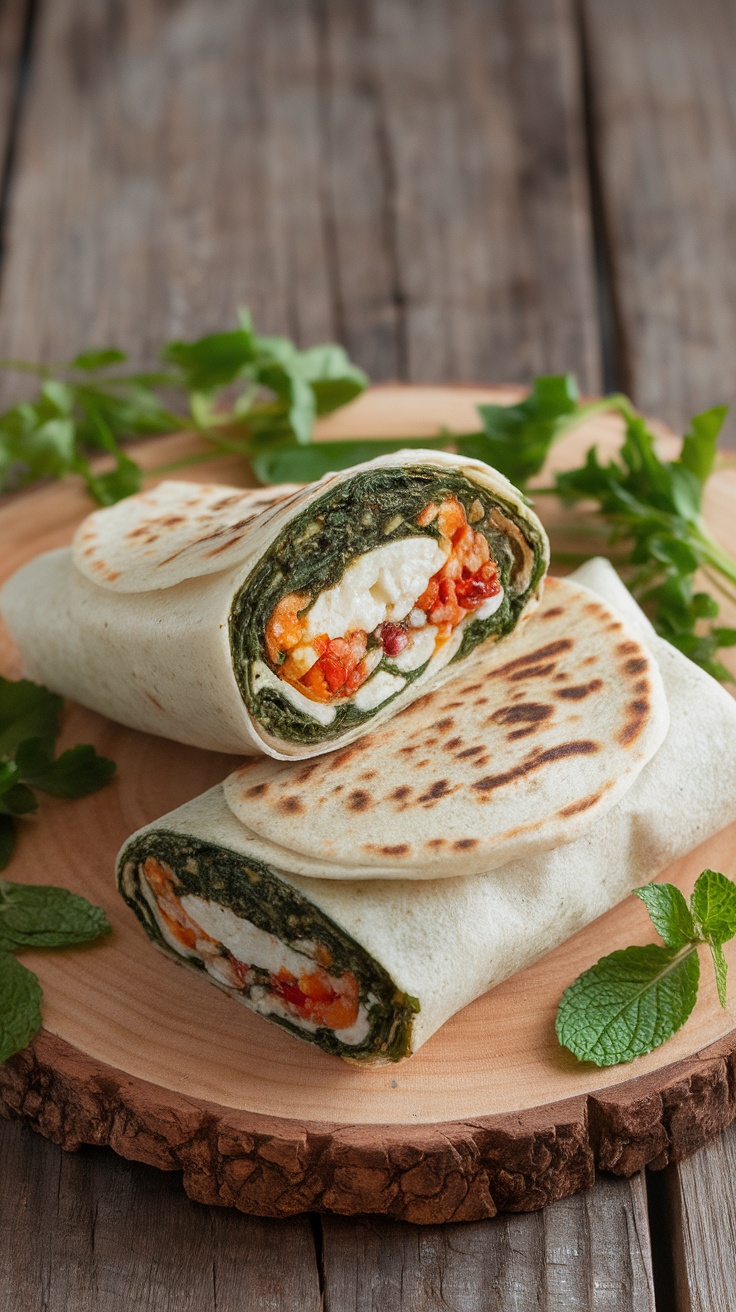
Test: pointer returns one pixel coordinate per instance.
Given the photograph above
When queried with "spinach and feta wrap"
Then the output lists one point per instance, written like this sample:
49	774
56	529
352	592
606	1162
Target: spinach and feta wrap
370	969
283	621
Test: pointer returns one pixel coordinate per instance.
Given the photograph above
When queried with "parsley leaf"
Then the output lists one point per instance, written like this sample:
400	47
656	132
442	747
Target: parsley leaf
633	1000
20	1006
29	725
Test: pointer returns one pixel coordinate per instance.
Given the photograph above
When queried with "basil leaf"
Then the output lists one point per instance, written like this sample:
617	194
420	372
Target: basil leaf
713	904
669	913
628	1003
20	1006
42	916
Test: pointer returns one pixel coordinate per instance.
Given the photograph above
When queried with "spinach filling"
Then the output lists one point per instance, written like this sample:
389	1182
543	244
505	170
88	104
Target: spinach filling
254	892
310	555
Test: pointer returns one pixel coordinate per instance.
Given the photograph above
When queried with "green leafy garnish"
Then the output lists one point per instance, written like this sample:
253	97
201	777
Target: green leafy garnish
35	916
29	726
633	1000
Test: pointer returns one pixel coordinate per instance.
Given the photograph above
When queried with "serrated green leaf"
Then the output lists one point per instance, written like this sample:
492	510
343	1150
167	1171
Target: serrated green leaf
75	773
122	481
42	916
713	904
699	444
212	361
91	360
27	710
20	1006
628	1003
17	799
517	438
669	913
721	969
7	839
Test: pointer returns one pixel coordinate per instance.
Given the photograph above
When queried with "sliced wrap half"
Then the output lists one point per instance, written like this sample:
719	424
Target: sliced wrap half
282	623
370	970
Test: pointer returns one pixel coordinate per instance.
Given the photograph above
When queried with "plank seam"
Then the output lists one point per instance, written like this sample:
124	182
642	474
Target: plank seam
17	103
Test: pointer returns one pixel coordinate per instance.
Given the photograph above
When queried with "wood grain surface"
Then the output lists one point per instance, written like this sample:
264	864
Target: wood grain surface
128	220
664	105
704	1228
490	1115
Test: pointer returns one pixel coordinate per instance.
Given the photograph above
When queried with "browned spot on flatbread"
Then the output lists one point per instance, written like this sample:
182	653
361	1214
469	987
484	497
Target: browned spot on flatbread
549	614
535	672
638	712
584	804
396	849
626	648
367	775
257	790
446	722
155	700
636	666
581	747
307	771
435	843
440	788
401	793
452	743
464	844
224	546
468	752
291	805
359	800
521	713
580	690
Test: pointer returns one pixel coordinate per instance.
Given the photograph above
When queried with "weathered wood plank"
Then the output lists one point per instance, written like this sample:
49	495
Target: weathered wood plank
703	1226
82	1232
409	177
588	1252
664	90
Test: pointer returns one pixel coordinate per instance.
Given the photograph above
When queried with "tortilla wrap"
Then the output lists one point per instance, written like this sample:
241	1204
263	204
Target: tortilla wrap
524	749
381	965
250	621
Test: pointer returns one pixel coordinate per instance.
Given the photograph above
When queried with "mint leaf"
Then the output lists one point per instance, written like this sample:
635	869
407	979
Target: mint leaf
27	710
20	1006
516	439
628	1003
42	916
212	361
713	904
721	969
669	913
699	444
75	773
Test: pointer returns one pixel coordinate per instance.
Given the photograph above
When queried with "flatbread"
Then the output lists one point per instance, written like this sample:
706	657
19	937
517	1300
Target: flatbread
149	617
524	749
444	942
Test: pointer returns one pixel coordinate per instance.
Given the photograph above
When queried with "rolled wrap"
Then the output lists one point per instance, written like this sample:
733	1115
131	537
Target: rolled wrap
227	618
395	960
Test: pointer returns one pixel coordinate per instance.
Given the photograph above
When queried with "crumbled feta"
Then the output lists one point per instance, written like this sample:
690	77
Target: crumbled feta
379	585
419	651
489	607
377	690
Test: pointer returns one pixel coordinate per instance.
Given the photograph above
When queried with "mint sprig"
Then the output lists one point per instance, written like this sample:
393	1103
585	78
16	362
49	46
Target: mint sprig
35	916
29	726
635	999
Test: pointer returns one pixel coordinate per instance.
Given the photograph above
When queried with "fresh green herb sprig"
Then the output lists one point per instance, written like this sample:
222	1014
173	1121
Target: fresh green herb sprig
243	393
633	1000
35	917
29	727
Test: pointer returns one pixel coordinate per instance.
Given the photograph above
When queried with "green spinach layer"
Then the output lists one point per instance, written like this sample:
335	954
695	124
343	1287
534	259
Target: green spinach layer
311	553
255	893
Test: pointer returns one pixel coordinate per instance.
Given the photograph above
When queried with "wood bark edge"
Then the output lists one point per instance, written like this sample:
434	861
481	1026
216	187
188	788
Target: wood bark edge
427	1174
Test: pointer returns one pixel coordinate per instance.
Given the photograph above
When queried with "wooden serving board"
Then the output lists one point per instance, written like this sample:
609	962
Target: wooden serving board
491	1114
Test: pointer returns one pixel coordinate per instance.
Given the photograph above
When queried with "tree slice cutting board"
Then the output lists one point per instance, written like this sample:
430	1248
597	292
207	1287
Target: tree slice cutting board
145	1056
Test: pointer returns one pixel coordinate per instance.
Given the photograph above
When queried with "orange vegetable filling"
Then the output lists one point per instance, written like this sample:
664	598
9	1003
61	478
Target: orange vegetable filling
468	578
324	999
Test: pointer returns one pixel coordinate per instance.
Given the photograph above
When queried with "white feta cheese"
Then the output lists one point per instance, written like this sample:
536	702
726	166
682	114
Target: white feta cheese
376	691
489	607
379	585
419	651
264	677
248	943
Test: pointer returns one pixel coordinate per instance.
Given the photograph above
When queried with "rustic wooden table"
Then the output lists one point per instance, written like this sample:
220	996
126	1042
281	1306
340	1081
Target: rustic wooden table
457	190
